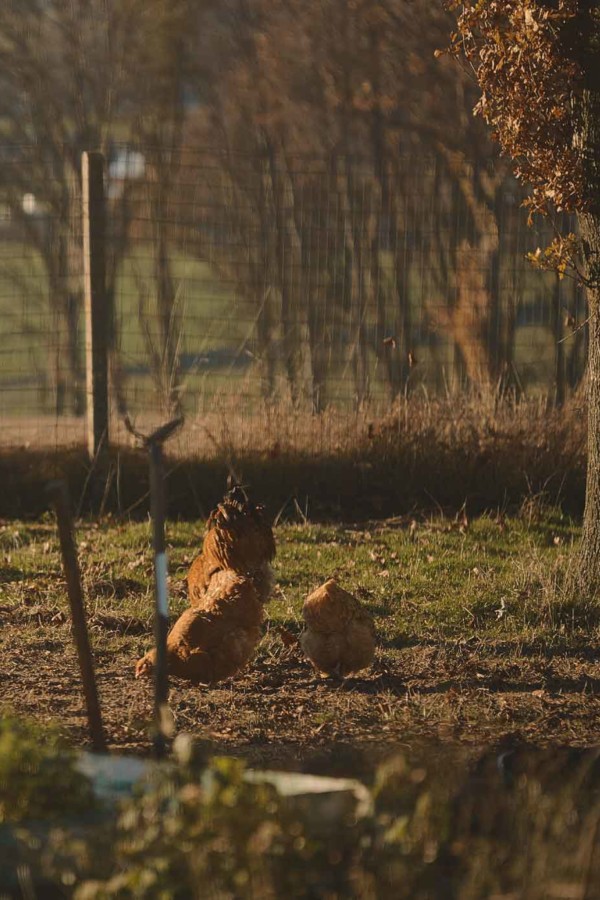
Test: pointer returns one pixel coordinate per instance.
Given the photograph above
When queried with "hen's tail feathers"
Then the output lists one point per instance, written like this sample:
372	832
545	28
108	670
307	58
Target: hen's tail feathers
236	508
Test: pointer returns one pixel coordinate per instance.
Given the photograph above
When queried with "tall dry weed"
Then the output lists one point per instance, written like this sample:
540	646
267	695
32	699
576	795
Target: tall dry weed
487	449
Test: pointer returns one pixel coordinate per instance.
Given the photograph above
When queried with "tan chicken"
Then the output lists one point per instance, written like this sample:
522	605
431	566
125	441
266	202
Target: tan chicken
339	637
215	641
239	538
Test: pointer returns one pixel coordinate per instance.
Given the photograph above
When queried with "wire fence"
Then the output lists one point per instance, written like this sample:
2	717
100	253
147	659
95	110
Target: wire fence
275	300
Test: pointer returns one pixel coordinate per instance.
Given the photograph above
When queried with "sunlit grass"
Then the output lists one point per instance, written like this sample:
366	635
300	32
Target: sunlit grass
428	579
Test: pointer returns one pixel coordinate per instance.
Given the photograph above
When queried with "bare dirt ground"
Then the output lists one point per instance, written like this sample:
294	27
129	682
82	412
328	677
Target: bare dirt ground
278	713
468	653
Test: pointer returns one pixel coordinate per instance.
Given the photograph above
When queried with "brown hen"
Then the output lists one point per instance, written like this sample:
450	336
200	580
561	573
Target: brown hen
238	538
216	641
339	637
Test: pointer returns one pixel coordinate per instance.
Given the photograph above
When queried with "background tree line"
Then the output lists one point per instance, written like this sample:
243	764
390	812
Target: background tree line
349	195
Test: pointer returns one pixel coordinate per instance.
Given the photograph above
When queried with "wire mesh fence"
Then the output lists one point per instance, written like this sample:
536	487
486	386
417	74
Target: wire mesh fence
274	300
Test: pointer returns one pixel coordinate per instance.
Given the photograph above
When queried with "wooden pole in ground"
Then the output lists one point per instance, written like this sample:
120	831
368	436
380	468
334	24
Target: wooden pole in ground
96	312
58	493
158	507
161	599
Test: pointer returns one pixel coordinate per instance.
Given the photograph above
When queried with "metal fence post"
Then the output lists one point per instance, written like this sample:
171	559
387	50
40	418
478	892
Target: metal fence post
96	313
161	614
163	718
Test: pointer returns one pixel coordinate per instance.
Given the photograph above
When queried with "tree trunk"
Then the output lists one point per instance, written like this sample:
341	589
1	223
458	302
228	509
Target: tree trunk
289	271
313	227
559	347
577	354
169	375
403	259
588	572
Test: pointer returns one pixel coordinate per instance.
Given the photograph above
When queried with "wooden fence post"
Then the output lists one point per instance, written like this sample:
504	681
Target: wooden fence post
96	313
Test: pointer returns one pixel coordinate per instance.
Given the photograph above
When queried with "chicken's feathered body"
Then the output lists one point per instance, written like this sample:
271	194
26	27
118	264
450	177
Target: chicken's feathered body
215	641
238	538
201	571
339	637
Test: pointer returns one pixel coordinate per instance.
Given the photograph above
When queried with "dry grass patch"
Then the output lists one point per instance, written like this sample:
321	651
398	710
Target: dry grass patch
488	451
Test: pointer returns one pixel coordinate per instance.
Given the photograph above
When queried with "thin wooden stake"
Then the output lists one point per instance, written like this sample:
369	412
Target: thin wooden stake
58	493
161	599
163	722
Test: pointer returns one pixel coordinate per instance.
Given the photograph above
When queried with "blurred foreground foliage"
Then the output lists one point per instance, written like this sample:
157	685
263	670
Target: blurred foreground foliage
37	776
517	822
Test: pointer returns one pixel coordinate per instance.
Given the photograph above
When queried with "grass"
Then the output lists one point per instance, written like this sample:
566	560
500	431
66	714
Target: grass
473	645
